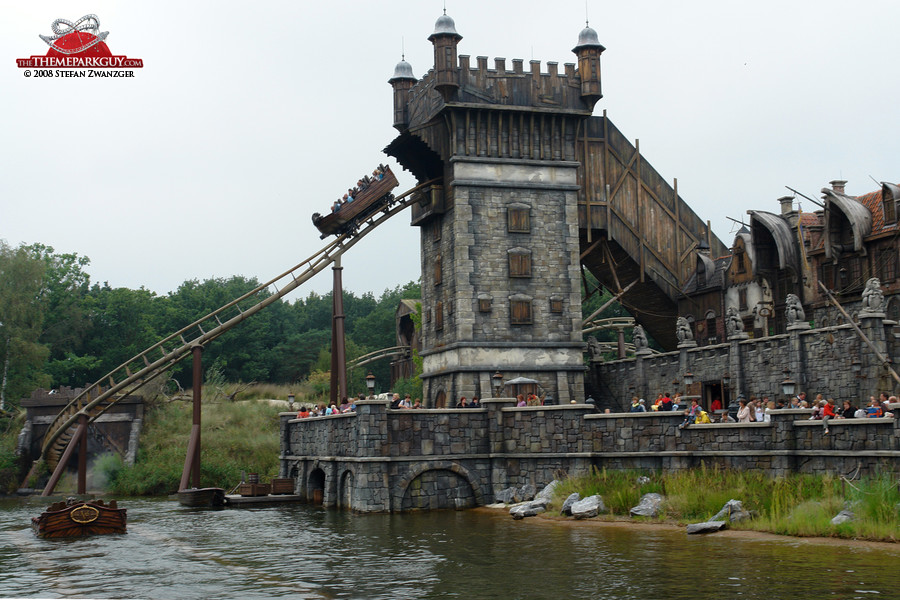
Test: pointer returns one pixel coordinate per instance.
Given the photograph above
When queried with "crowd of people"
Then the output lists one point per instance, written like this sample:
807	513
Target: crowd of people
361	185
760	409
321	410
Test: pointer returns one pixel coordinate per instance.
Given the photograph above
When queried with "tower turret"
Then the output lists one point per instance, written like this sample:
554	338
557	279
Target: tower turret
402	81
588	52
445	40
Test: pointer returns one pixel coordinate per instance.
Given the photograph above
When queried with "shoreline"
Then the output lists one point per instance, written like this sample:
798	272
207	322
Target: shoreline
741	534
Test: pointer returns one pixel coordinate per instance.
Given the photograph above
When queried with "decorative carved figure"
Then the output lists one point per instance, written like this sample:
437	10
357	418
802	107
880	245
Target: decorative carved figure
793	310
683	330
873	297
594	348
639	338
733	323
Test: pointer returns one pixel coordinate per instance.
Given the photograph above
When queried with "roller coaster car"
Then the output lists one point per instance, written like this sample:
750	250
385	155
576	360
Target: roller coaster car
74	518
367	202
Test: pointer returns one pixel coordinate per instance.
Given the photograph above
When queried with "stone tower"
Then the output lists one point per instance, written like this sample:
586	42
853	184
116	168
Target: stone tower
499	232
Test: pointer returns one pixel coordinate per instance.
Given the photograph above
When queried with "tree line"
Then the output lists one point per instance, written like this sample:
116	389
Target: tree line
58	328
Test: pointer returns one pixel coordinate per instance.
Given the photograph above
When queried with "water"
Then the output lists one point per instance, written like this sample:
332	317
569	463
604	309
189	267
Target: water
305	552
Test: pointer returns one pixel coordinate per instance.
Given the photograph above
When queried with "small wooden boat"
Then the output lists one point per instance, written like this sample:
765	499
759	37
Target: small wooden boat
76	518
200	497
366	202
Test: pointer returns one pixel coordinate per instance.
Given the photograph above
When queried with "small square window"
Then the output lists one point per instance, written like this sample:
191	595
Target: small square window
518	220
519	264
520	312
556	305
484	305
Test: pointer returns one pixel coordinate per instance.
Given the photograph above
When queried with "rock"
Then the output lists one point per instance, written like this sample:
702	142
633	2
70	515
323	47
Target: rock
643	480
733	511
707	527
527	509
567	505
588	508
649	506
548	490
843	517
506	496
525	493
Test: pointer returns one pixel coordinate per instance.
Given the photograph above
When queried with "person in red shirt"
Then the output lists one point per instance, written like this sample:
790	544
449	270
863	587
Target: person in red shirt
304	413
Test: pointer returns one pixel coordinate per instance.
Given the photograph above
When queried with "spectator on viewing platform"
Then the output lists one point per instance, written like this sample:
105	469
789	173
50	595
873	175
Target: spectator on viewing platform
345	405
417	404
846	411
533	400
666	404
303	413
657	404
874	410
637	405
521	401
676	401
463	403
716	405
395	402
795	402
759	411
406	402
475	402
691	414
767	413
744	411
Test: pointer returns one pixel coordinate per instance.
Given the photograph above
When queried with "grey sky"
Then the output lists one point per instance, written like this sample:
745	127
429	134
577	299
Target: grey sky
247	118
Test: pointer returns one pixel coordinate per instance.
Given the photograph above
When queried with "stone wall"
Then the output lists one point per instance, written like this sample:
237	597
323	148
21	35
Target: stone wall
392	460
818	360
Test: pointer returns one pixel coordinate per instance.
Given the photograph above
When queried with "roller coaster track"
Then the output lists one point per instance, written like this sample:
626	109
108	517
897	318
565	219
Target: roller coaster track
131	375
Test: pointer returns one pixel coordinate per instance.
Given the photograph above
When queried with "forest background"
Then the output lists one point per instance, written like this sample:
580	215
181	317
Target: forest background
59	329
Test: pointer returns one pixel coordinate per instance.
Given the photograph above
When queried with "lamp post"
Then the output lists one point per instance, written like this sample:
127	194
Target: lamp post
291	400
497	380
788	385
370	383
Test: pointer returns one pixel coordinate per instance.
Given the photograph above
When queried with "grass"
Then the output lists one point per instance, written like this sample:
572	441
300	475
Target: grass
798	505
235	437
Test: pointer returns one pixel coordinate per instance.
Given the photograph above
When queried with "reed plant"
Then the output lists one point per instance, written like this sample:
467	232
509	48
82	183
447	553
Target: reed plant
797	505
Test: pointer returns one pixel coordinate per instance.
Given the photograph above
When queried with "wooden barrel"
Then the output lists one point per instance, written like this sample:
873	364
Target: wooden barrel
253	478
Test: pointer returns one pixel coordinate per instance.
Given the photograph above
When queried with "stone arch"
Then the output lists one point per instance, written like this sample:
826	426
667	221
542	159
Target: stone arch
345	489
315	485
440	400
418	469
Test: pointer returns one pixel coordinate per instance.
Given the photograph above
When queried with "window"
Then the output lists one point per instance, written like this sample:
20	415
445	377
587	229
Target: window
519	262
438	316
701	274
826	275
484	303
890	210
518	219
742	299
887	264
741	263
436	232
520	311
711	327
556	305
438	271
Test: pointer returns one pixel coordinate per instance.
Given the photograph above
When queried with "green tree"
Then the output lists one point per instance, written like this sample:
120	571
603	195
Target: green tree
22	318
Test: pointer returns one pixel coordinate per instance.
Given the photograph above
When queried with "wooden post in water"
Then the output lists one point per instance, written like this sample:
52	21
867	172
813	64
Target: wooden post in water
82	454
192	459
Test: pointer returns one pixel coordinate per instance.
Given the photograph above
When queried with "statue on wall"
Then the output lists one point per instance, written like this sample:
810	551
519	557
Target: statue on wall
733	323
793	310
683	330
594	350
873	297
639	338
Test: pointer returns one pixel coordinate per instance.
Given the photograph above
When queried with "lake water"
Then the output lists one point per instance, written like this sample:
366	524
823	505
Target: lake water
301	551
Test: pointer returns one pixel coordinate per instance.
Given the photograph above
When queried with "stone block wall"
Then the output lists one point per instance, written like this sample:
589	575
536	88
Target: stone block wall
390	460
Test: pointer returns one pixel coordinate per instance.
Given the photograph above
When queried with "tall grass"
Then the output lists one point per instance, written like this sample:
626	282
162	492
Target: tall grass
799	505
235	437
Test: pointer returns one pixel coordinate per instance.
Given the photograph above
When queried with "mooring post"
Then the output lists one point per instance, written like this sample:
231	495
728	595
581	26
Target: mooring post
197	398
338	354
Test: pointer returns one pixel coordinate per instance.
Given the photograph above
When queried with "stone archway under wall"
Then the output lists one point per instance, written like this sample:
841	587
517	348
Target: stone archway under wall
437	485
315	486
345	490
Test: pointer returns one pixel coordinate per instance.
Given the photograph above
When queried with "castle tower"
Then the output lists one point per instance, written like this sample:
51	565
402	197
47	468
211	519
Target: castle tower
445	40
402	81
588	52
500	233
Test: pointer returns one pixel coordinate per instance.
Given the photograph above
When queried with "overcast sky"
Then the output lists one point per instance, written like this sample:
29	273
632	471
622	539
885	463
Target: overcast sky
249	117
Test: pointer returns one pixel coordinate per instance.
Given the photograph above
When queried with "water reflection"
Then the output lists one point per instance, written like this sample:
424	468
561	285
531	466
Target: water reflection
304	552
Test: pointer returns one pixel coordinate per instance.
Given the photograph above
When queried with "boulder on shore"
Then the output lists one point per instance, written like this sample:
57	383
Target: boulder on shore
567	505
527	509
707	527
588	508
547	492
733	511
505	496
843	517
649	506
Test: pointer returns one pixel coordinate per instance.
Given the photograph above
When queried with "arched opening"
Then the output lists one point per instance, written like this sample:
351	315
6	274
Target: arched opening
437	489
345	492
440	401
315	486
